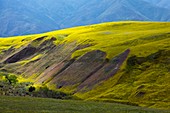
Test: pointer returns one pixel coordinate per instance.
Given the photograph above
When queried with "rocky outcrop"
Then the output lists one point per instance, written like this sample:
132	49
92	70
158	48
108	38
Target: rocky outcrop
86	72
108	70
80	69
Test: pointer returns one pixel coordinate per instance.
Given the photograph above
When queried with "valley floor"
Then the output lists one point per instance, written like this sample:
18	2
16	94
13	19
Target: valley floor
45	105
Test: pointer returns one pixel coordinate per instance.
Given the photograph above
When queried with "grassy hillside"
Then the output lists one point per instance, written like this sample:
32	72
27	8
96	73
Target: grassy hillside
40	105
125	62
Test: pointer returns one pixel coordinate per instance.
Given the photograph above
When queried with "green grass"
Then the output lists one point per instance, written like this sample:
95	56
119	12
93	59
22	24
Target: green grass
42	105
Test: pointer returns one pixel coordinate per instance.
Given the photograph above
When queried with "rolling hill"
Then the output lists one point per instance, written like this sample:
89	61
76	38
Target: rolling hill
125	62
20	18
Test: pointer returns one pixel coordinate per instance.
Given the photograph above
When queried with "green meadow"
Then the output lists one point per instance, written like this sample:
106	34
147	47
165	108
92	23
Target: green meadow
45	105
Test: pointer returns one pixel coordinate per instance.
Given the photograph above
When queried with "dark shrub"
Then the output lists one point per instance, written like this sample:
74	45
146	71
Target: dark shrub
31	89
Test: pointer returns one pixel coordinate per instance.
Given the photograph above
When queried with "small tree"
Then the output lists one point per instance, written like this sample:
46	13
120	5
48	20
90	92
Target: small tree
12	79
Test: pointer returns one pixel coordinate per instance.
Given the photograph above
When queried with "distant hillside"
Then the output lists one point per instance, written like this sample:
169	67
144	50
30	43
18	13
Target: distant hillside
164	3
124	62
160	3
116	10
20	18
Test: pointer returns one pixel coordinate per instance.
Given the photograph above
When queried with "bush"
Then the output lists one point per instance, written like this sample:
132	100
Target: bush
12	79
47	93
27	89
31	89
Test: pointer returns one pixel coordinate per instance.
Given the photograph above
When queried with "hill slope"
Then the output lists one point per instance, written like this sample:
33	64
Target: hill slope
126	62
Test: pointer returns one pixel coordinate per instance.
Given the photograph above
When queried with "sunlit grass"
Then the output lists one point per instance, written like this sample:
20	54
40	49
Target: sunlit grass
106	37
